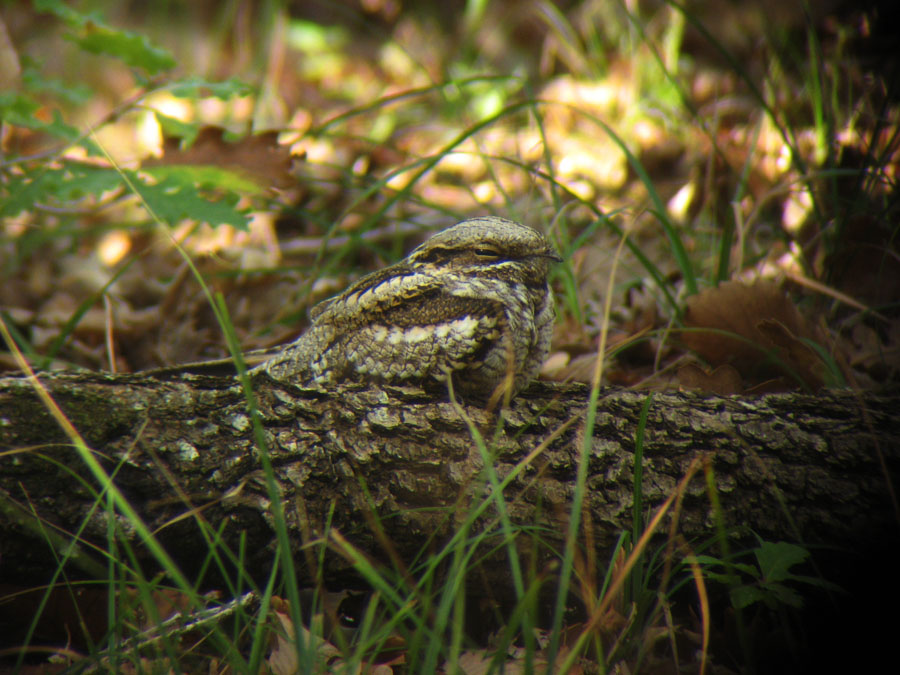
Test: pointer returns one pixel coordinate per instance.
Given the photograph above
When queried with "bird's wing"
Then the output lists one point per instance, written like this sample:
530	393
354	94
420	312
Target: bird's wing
413	332
394	325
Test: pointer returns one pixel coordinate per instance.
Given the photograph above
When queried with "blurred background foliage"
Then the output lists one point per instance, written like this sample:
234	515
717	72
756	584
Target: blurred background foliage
294	146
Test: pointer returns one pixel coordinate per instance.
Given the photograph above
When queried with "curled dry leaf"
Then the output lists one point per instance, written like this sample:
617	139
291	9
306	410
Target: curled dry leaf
756	329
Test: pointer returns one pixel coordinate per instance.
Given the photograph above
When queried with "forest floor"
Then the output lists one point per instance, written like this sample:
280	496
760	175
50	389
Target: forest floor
721	183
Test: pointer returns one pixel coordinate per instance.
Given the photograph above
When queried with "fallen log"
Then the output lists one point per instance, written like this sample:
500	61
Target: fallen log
815	469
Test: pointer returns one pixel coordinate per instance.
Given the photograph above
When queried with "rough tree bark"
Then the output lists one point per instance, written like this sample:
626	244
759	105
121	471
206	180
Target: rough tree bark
811	468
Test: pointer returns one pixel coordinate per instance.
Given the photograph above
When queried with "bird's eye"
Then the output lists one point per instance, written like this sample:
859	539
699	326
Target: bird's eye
434	255
486	253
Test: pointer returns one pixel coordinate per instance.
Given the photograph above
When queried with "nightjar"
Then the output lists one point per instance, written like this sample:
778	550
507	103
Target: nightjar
472	303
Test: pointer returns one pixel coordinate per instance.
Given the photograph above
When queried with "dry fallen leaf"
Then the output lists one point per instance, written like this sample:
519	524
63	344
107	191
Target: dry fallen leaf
756	329
283	657
260	157
802	358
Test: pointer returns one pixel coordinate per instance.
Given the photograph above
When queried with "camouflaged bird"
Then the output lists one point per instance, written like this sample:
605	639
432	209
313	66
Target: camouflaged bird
471	302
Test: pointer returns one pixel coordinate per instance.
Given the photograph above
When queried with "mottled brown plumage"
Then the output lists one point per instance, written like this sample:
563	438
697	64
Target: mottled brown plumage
471	302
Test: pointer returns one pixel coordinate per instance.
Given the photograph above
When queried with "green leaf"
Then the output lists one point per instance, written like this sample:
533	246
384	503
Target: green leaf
94	35
779	593
172	200
196	87
21	111
204	177
186	131
56	127
776	558
709	562
744	596
67	184
59	9
726	579
771	594
132	48
18	109
76	93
